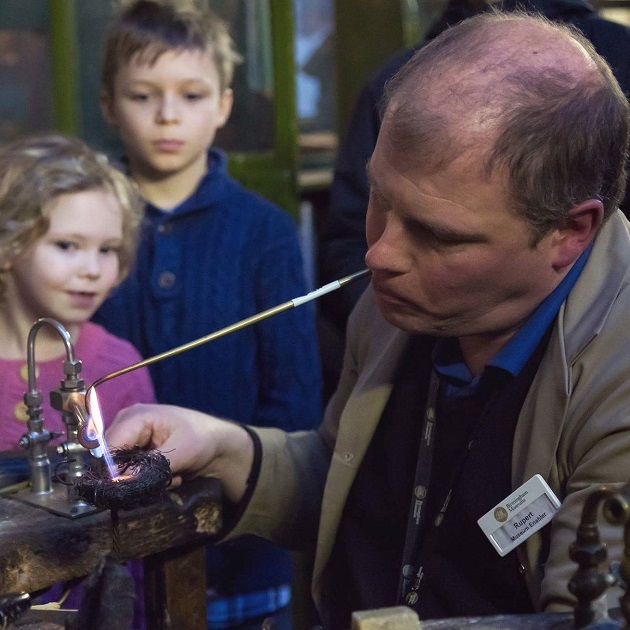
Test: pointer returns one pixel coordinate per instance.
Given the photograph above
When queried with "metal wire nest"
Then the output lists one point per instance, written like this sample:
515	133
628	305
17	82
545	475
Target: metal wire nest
145	477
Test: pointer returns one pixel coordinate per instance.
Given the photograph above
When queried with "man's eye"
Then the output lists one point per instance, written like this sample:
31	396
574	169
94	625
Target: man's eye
378	202
429	237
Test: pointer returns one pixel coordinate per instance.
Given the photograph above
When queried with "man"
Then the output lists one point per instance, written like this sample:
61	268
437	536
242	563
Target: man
492	347
343	246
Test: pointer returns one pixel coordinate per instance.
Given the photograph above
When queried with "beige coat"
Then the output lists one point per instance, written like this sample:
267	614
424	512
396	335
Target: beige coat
574	428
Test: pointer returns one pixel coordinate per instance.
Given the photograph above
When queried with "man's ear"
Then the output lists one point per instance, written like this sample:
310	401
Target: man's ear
225	107
577	232
106	103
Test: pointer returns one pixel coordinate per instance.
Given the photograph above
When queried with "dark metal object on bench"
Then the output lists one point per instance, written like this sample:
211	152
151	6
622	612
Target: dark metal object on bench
38	548
143	477
592	577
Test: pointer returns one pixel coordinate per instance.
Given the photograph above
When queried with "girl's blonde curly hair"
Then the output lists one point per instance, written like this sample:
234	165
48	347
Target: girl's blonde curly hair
36	170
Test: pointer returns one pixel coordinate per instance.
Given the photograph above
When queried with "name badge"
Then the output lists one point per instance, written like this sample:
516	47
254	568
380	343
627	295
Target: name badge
520	515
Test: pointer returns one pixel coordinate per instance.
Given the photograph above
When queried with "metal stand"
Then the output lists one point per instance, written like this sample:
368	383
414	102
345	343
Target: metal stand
69	400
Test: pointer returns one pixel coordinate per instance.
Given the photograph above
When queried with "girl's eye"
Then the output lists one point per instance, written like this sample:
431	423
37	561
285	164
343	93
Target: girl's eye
139	97
109	249
65	245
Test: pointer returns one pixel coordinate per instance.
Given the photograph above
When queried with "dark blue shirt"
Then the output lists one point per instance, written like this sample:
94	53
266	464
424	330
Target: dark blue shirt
222	255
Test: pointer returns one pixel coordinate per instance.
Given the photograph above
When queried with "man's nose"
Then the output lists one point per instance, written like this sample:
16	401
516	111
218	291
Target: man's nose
385	251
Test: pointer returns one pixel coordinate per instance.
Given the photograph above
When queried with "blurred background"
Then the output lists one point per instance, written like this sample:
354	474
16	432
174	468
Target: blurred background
305	63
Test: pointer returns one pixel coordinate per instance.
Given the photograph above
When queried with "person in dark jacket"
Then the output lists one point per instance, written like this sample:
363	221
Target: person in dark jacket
491	349
342	246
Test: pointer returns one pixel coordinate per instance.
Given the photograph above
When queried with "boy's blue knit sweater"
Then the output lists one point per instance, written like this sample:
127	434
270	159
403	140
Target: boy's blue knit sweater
222	255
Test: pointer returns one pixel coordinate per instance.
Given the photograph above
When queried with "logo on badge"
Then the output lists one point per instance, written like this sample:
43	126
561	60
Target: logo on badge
501	514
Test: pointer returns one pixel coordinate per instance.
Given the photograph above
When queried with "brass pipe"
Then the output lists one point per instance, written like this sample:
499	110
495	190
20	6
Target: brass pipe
244	323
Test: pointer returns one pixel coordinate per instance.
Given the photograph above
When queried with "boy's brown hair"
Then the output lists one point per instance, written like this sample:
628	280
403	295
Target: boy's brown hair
150	28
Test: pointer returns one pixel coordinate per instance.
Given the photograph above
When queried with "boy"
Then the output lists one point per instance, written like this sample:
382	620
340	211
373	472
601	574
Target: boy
212	253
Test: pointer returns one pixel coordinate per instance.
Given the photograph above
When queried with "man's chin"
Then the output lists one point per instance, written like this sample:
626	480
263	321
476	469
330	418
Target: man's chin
405	320
410	321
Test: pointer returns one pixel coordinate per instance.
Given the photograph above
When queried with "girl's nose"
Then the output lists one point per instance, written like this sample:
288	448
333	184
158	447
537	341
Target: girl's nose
91	265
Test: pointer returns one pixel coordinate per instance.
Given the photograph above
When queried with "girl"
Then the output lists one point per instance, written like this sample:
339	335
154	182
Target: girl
68	233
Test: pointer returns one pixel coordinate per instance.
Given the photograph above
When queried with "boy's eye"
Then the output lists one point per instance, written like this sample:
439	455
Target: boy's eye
194	96
139	96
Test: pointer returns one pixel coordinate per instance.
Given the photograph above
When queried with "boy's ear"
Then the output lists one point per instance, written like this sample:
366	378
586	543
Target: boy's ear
225	107
106	103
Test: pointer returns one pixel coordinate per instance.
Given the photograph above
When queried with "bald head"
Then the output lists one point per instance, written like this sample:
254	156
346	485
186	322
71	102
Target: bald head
522	94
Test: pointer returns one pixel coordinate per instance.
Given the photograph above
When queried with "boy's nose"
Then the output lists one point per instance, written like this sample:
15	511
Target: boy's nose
168	110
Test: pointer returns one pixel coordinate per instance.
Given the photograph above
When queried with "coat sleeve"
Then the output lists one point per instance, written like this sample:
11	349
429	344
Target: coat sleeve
286	504
593	450
594	453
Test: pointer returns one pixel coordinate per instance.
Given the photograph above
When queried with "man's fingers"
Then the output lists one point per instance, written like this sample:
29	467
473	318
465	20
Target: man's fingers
176	481
131	427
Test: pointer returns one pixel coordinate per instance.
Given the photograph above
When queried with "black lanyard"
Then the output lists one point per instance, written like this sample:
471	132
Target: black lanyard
411	575
412	569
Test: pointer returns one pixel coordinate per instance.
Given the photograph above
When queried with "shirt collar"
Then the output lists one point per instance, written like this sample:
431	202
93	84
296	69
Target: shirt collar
205	194
447	357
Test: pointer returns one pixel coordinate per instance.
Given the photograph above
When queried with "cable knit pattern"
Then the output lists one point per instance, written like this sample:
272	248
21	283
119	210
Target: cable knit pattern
223	255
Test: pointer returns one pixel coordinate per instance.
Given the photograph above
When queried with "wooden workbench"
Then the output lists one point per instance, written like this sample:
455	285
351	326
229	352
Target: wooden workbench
38	548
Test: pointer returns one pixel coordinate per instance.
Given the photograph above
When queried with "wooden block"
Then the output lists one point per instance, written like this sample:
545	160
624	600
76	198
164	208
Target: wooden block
38	548
393	618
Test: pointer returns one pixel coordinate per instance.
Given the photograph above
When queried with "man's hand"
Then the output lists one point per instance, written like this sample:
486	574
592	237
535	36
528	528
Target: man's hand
195	443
